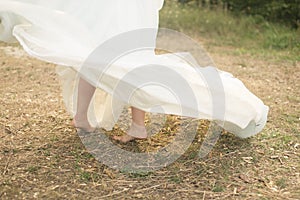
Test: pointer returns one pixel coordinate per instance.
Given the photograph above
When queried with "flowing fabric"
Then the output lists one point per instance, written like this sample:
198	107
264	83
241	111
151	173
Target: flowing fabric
67	32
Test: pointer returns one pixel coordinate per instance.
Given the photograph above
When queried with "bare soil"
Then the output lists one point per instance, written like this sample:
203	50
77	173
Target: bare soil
42	157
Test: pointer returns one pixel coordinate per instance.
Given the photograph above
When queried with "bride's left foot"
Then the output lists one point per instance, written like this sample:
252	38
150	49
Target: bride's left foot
136	132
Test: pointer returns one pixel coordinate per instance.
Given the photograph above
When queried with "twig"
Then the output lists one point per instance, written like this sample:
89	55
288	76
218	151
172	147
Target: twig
114	193
6	166
203	195
145	189
197	191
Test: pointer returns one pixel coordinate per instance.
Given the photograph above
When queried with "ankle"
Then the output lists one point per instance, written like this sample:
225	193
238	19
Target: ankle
80	118
138	123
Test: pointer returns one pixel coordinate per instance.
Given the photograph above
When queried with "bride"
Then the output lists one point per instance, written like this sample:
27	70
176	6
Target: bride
68	32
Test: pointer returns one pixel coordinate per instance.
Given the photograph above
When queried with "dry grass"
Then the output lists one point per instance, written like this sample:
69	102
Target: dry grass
41	156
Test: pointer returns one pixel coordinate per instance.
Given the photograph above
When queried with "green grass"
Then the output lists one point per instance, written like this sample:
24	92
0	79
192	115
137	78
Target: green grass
176	179
249	34
33	169
218	188
281	183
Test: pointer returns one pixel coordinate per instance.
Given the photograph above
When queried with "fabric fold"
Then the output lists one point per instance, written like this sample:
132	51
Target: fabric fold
68	32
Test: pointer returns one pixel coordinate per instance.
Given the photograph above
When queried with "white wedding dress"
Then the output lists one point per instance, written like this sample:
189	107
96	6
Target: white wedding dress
67	32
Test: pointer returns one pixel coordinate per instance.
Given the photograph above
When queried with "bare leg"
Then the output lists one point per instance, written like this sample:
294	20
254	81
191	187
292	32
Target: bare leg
137	129
85	94
138	116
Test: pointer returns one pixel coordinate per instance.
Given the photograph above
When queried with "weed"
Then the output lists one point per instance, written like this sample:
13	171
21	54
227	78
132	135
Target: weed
33	169
218	188
85	176
176	179
281	183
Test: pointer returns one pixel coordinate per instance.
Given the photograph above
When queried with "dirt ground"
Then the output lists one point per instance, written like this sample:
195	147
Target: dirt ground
42	157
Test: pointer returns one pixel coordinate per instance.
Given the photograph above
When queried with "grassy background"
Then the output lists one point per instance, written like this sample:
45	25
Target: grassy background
248	34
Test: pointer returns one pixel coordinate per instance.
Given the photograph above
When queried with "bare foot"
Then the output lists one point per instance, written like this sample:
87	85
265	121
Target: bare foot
124	138
136	132
83	125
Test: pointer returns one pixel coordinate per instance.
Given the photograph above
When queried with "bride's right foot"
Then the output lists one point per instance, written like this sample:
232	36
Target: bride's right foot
83	125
